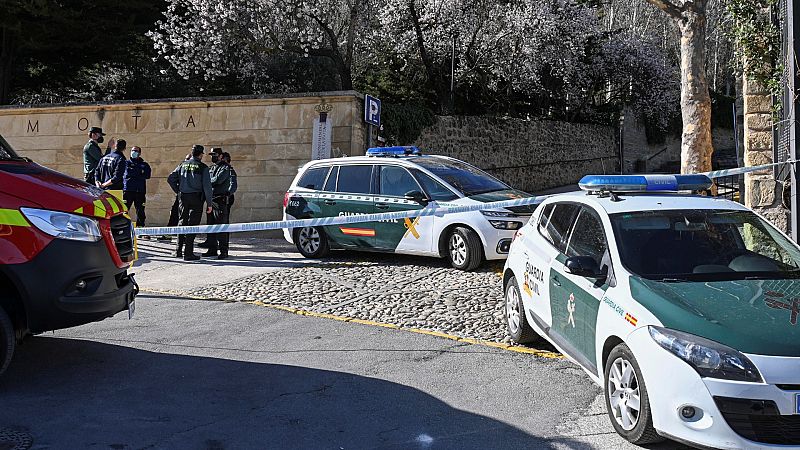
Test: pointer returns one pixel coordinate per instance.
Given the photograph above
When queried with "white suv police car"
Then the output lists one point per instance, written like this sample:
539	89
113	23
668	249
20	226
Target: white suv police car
683	308
394	179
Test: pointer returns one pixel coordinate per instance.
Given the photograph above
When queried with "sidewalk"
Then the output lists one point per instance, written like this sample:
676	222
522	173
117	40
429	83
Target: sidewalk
157	270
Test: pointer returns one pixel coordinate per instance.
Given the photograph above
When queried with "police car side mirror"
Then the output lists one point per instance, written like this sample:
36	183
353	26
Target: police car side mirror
584	266
417	196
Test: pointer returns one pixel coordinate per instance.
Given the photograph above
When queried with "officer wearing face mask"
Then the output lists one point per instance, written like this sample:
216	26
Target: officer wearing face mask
216	155
137	172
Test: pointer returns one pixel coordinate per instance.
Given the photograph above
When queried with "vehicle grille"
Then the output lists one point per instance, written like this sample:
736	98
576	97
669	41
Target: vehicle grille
789	387
123	237
760	421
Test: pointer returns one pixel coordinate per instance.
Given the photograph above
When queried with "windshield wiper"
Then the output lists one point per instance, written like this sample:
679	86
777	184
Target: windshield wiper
672	280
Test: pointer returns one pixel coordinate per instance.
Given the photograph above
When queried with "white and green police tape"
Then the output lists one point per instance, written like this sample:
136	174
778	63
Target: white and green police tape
432	209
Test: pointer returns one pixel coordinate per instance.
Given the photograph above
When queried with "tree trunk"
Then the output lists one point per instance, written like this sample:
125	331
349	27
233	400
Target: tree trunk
696	144
6	64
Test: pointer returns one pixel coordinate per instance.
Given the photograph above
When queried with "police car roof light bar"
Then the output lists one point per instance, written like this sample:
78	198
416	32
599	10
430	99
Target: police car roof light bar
401	150
645	183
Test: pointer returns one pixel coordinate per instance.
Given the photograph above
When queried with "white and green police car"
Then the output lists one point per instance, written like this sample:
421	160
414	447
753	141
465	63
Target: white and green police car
684	308
391	179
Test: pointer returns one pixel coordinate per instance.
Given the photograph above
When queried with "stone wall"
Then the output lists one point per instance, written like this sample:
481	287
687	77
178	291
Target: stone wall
529	155
268	138
761	188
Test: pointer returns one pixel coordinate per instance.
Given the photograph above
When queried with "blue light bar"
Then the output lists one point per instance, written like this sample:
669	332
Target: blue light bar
645	183
404	150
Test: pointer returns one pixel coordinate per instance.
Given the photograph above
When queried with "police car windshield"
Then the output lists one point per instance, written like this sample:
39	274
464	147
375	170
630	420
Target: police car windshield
467	179
7	153
703	245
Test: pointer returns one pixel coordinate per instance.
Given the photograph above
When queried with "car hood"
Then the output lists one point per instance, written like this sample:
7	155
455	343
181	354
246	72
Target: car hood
506	194
55	191
752	316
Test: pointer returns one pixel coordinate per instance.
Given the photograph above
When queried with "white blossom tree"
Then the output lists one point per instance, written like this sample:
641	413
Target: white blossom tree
210	38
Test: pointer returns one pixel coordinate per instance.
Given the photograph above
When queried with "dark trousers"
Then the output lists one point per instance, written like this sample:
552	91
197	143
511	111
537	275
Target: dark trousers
136	200
89	177
191	209
175	213
219	215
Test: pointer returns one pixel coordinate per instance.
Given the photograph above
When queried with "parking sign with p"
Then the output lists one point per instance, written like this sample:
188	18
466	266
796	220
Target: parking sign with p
372	110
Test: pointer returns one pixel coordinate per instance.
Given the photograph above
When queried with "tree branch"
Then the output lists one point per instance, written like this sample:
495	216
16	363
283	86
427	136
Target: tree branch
668	7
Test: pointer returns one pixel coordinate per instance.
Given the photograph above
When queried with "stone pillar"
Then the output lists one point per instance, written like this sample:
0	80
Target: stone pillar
762	192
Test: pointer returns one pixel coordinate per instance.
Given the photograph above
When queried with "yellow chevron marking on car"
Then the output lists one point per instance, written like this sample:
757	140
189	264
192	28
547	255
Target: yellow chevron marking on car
12	217
99	209
114	205
79	210
412	227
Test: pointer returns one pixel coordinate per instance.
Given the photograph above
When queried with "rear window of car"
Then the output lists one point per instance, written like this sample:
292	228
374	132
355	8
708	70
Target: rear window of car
314	178
354	179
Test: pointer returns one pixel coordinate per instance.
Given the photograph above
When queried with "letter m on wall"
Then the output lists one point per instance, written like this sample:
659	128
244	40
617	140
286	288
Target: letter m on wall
33	127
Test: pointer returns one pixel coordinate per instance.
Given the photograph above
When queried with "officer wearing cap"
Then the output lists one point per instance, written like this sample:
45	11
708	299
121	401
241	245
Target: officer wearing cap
92	153
192	182
223	183
216	153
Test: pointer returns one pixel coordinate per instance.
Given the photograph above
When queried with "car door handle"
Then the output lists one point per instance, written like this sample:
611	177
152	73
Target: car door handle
382	205
329	202
556	281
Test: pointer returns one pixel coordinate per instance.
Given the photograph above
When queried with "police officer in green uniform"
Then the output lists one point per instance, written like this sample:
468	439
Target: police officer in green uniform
92	153
192	182
216	154
224	185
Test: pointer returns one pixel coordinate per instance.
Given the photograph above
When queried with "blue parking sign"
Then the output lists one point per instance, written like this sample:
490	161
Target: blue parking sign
372	110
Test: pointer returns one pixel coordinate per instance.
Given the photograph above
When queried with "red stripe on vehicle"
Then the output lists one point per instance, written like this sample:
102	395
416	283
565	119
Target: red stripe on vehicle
358	231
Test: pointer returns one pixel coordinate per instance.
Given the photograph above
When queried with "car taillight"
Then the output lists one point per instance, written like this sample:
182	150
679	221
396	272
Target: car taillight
286	199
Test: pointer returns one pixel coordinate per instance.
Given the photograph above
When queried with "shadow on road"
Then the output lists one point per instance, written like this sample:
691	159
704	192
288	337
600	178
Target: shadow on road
76	394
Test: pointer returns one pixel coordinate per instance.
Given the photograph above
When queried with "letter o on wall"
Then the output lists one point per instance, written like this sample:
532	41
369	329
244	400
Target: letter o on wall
83	124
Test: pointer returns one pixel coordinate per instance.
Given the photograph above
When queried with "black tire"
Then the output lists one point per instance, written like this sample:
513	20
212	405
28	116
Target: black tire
464	249
312	242
642	432
7	340
518	328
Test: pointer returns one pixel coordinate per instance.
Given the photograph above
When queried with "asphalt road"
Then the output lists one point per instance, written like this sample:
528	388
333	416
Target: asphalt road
204	374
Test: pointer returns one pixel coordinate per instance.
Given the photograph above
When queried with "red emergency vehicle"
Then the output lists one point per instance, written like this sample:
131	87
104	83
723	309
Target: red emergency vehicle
65	248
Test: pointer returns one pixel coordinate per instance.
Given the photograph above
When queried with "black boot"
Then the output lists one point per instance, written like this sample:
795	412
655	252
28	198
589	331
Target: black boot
179	251
210	252
188	253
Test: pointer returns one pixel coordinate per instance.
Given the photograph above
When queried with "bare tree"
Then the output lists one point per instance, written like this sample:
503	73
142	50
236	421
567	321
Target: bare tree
696	146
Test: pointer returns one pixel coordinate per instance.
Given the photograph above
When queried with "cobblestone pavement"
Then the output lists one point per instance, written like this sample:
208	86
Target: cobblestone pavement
410	292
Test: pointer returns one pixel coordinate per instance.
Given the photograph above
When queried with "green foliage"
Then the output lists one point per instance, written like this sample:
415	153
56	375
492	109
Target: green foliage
758	40
403	122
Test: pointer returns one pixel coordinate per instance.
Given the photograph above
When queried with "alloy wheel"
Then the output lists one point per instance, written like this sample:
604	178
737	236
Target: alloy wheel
309	239
512	309
458	249
623	389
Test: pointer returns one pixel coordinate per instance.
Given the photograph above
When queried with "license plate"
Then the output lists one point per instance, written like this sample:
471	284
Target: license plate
131	308
797	403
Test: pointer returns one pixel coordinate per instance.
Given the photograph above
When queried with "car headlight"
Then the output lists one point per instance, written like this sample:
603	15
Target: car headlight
63	225
498	214
502	224
710	359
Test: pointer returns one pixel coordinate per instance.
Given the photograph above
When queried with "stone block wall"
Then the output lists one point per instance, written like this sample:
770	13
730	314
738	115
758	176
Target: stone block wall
762	191
268	139
530	155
